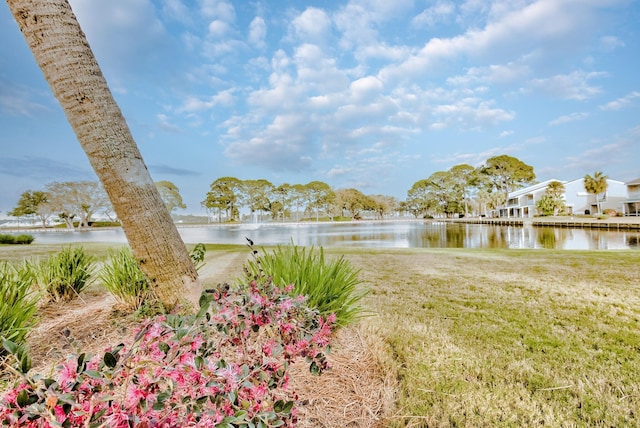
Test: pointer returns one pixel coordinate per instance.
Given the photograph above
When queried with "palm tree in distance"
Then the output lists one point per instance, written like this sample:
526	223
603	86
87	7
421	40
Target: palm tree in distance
596	185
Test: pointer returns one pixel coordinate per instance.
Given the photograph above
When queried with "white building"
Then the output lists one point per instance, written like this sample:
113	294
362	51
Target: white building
522	203
632	205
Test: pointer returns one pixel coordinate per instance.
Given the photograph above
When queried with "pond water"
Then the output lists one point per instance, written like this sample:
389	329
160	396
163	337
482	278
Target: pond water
389	234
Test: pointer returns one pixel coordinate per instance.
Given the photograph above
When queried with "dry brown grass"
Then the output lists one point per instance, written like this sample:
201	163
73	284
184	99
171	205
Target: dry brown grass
358	390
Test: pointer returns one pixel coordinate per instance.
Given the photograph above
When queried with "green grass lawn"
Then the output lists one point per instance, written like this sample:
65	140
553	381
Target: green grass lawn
508	337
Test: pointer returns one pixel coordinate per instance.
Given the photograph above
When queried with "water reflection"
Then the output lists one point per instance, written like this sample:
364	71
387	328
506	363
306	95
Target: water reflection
407	234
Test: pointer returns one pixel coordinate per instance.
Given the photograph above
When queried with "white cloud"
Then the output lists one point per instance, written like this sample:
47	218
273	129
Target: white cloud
317	71
469	114
218	9
550	25
257	32
600	157
358	22
282	144
366	88
573	117
621	103
165	124
176	10
219	29
572	86
610	43
439	12
313	25
125	35
195	105
19	101
499	74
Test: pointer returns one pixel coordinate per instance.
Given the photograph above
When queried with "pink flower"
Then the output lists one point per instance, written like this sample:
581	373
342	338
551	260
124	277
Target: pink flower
58	412
268	347
67	374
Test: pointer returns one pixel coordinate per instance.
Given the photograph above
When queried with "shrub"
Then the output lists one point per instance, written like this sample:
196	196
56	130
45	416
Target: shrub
330	286
123	278
6	238
65	274
18	303
227	366
610	212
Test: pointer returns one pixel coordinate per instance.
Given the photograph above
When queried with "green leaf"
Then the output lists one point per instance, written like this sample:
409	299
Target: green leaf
81	365
163	347
110	360
93	374
25	363
23	398
203	301
288	407
10	346
283	407
199	362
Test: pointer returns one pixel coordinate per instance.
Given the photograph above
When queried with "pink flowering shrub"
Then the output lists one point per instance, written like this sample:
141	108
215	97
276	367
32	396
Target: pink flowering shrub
226	366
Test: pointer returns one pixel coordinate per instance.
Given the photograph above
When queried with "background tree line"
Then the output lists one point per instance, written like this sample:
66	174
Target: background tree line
459	191
291	201
76	202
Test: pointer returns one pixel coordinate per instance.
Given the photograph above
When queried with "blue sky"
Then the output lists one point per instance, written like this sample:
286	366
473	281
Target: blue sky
371	94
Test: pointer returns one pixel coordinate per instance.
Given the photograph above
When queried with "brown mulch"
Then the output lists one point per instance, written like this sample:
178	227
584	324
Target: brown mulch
356	392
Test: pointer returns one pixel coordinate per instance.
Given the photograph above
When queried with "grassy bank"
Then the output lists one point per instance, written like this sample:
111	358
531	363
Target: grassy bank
508	338
492	337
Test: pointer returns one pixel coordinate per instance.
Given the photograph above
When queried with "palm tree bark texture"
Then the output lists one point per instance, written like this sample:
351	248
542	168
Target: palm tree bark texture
63	54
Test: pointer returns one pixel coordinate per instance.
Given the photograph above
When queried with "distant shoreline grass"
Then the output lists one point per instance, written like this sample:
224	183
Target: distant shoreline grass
496	337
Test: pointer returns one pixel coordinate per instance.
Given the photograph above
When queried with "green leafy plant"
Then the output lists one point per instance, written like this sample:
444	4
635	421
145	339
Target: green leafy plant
331	286
197	255
123	278
6	238
65	274
18	303
227	366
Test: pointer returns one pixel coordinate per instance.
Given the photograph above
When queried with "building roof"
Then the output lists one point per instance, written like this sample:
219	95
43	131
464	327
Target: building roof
633	182
532	188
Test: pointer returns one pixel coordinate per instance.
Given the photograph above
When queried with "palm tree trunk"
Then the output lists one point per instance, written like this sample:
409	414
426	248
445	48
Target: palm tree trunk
69	66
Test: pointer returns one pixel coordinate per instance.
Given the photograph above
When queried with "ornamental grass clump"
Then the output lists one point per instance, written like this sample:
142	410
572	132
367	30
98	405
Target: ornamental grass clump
65	274
331	286
122	277
18	303
226	366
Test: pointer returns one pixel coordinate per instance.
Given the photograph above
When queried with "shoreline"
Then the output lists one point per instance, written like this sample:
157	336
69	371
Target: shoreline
613	223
